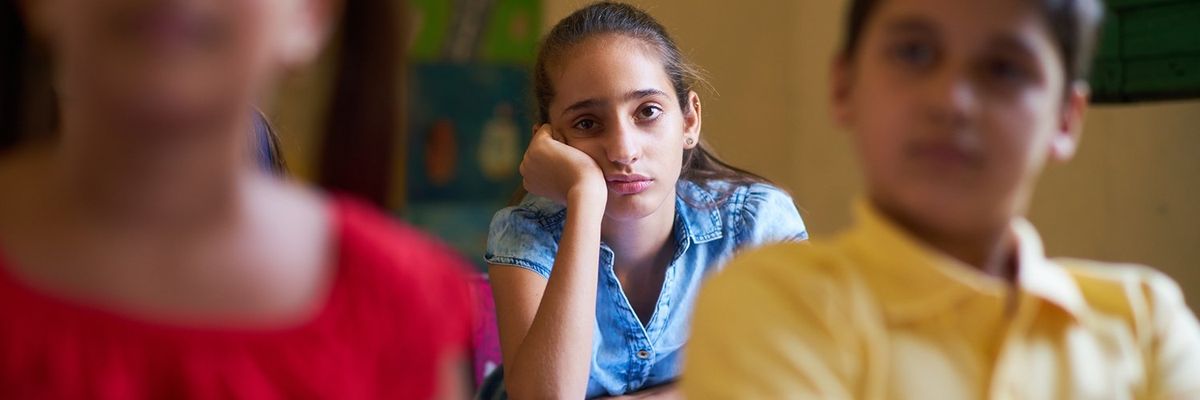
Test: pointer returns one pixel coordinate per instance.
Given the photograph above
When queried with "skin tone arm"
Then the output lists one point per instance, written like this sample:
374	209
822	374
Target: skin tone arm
546	325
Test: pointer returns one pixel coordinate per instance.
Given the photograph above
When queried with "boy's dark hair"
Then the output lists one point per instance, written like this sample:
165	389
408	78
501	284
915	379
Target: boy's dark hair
1073	23
700	165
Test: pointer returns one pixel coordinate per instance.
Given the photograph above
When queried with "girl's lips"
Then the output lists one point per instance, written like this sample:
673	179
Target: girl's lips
169	27
629	185
945	155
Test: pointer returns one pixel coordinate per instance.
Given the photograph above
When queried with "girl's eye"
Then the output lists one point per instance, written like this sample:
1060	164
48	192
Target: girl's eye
914	53
585	124
649	113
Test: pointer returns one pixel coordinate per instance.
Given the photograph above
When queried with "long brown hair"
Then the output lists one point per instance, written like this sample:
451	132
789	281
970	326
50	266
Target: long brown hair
700	164
22	74
12	48
360	129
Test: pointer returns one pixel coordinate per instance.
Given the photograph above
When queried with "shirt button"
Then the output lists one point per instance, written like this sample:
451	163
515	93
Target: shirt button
642	354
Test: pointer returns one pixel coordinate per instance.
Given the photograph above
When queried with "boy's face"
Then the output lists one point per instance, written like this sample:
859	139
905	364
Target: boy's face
955	107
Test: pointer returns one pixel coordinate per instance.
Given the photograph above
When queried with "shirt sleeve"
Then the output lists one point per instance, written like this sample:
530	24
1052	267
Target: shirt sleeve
1176	346
754	337
518	238
769	216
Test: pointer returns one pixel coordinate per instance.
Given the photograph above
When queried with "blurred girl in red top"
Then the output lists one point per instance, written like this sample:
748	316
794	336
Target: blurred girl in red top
144	254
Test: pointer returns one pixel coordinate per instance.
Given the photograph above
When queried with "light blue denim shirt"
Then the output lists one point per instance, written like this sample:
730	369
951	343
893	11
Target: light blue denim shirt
626	356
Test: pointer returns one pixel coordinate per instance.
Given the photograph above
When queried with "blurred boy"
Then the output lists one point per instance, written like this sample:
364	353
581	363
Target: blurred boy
942	290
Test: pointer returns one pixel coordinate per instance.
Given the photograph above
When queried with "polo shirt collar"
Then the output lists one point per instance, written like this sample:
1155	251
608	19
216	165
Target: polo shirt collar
915	281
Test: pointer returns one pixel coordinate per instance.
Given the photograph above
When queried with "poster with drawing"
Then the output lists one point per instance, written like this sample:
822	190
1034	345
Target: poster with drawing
468	114
465	133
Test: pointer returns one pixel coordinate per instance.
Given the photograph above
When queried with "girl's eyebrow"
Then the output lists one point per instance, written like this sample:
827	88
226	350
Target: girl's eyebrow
910	25
644	93
597	102
583	105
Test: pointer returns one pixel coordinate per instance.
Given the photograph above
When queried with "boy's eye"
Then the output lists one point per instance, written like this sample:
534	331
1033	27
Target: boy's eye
649	113
585	124
915	53
1007	71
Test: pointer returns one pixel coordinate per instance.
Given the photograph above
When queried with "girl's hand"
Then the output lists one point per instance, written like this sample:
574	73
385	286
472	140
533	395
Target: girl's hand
554	170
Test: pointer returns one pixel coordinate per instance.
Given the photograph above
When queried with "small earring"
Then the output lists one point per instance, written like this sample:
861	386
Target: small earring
690	141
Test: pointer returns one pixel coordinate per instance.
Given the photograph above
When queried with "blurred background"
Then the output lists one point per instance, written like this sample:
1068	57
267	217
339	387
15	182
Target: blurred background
463	119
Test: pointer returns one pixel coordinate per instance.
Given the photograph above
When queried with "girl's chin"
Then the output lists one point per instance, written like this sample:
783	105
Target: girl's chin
630	207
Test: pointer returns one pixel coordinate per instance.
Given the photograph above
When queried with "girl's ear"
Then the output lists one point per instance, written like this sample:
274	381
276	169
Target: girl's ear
1070	124
692	121
311	24
840	85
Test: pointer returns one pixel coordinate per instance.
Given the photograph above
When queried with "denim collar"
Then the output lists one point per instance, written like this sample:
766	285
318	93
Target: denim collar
702	221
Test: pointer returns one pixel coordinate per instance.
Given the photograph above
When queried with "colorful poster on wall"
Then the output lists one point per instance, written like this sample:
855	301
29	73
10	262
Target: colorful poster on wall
461	224
468	125
487	31
512	32
428	22
468	128
468	113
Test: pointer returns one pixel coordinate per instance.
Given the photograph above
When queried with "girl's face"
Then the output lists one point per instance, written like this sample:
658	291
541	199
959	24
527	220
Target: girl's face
139	65
614	101
955	107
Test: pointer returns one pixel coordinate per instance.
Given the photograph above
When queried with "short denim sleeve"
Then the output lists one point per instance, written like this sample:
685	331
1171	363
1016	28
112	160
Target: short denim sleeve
767	216
518	237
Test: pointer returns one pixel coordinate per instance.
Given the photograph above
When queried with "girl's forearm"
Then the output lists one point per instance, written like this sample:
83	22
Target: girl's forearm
554	358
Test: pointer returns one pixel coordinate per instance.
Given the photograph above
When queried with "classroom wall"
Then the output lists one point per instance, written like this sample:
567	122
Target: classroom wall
1132	194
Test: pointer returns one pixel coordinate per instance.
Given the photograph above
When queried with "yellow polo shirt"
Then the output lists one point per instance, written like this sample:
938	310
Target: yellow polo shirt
876	315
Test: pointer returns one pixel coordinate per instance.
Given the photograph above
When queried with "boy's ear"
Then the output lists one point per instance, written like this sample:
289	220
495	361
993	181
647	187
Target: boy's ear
1070	124
692	121
839	91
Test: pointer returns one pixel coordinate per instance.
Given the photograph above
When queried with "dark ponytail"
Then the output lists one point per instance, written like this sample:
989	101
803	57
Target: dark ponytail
360	130
27	102
700	164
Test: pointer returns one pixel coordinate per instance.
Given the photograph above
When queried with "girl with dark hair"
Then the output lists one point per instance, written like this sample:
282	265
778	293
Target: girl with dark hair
595	271
145	254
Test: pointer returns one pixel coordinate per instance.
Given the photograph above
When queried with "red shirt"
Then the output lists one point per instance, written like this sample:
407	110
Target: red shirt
397	306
